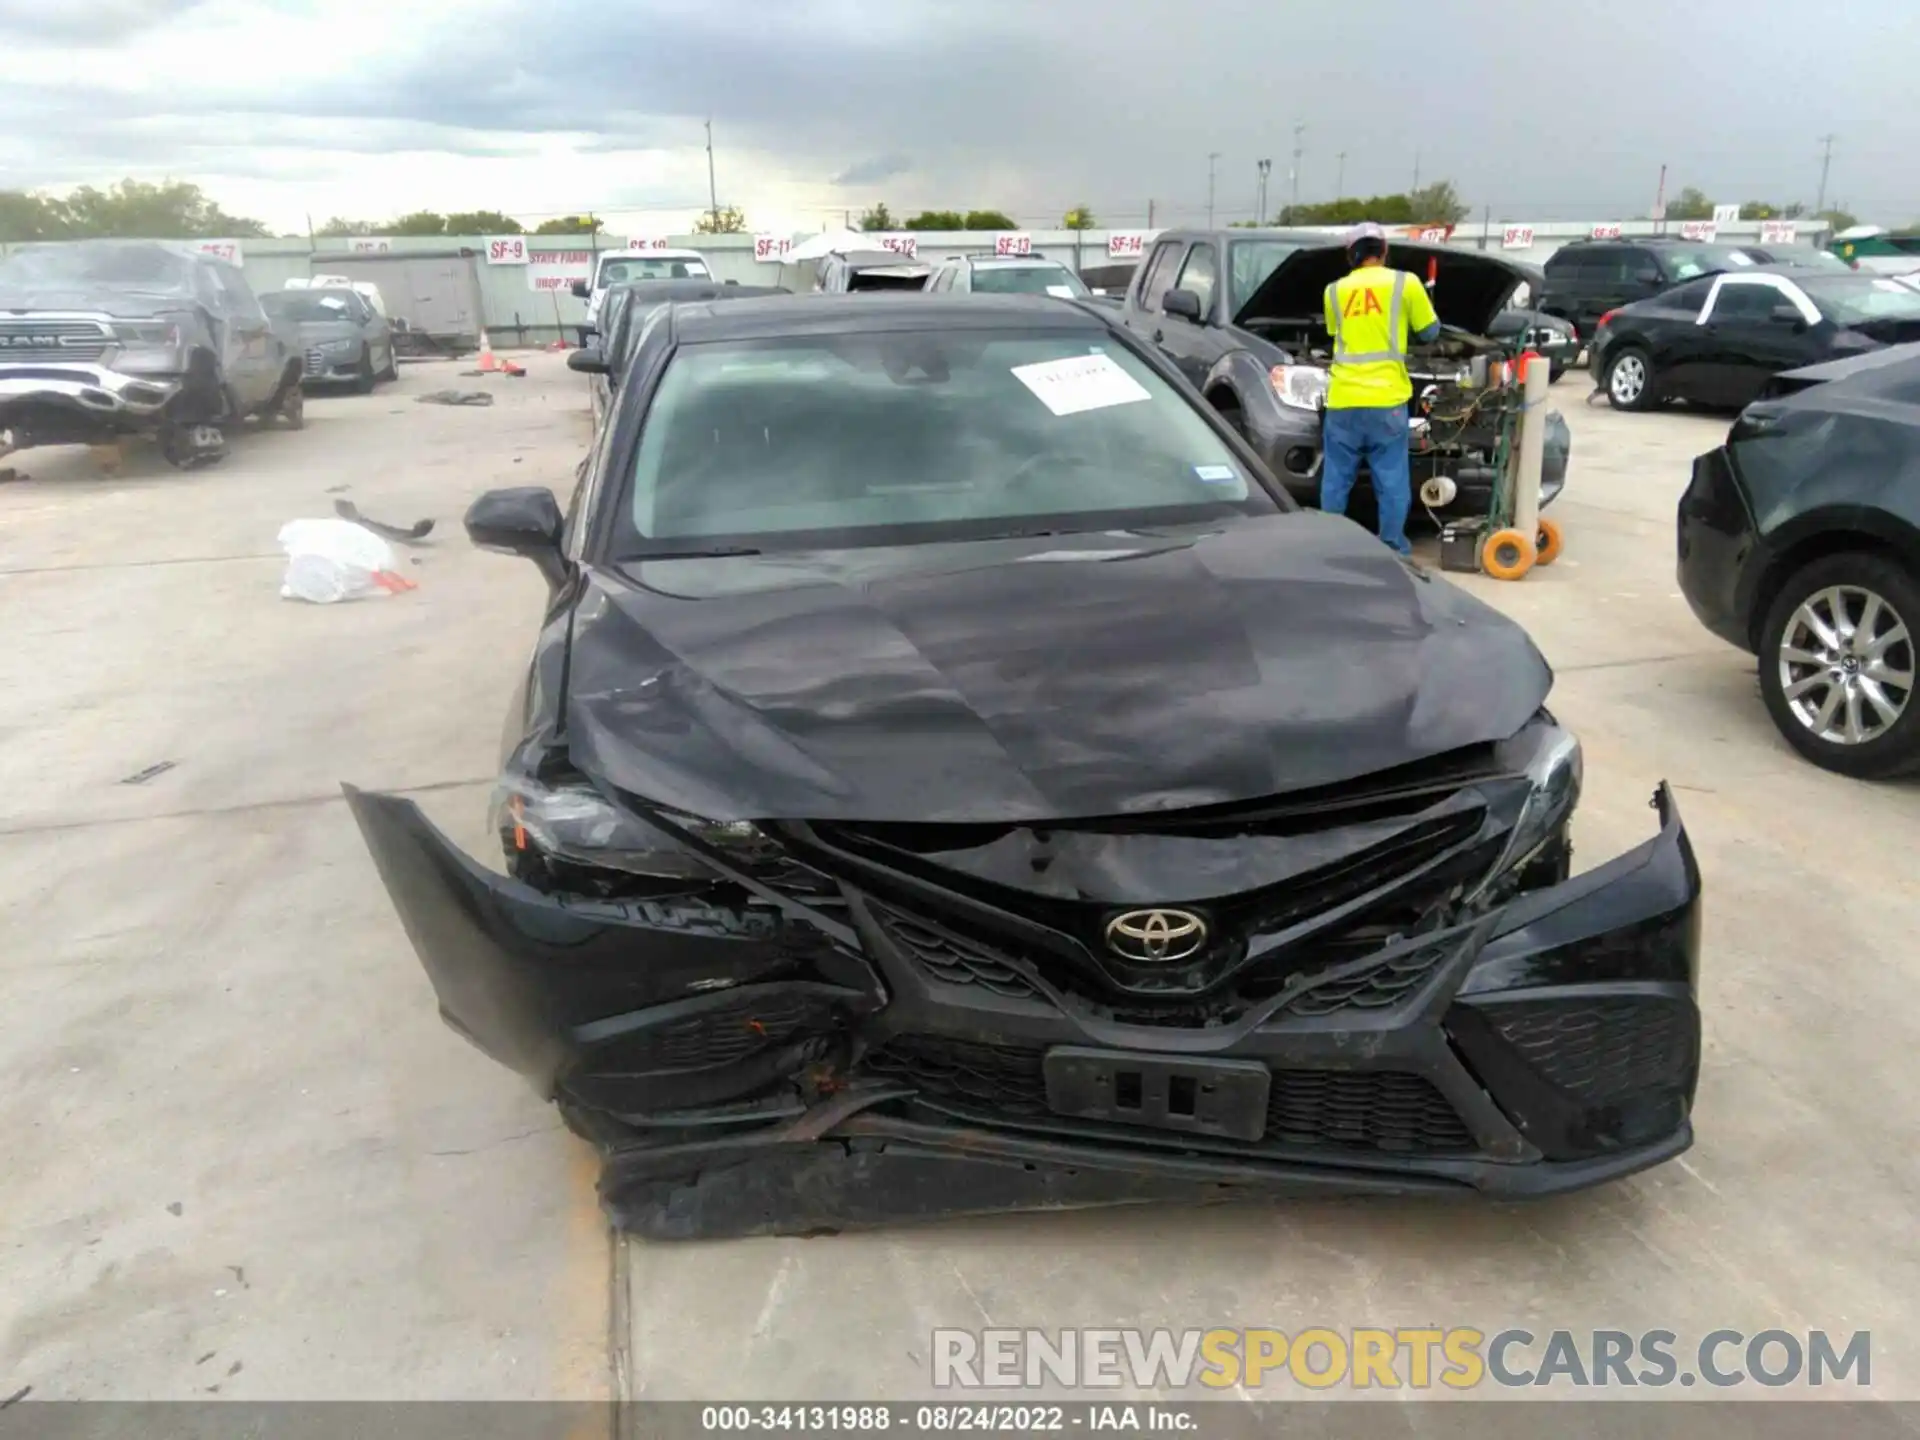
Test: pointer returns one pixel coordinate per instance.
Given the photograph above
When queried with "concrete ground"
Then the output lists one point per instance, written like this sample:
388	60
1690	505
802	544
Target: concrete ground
245	1154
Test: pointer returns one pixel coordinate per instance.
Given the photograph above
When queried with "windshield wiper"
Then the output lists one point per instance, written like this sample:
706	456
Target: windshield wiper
712	552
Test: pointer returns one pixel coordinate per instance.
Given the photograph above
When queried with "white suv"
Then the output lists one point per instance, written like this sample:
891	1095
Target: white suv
623	267
1009	275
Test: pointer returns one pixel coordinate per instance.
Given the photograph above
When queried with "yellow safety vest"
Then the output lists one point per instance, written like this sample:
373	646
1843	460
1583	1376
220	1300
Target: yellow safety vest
1370	314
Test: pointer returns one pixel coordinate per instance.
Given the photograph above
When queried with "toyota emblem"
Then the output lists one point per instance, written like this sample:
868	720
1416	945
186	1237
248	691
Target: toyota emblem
1156	936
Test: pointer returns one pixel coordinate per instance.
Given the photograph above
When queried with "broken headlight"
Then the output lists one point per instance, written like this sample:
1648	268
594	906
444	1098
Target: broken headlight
1553	772
575	823
1304	387
148	345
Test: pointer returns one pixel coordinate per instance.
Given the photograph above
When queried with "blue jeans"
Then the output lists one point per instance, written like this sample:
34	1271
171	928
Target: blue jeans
1377	434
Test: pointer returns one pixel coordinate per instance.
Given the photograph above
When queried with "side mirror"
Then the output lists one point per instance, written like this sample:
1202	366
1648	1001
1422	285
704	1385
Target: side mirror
1649	276
525	521
581	290
588	361
1182	304
1786	313
733	282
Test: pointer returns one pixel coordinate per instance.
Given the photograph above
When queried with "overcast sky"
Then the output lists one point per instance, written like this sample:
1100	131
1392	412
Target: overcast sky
281	108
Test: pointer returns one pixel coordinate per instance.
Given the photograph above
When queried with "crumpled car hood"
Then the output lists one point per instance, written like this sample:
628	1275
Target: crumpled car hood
122	304
1034	679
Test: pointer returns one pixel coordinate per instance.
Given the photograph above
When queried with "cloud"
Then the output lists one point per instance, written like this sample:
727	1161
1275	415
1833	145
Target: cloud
873	171
818	105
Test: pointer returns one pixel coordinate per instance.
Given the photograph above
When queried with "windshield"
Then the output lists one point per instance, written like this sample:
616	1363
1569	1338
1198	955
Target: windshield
911	436
652	267
100	267
1252	261
1027	280
1684	262
1853	299
1802	257
302	306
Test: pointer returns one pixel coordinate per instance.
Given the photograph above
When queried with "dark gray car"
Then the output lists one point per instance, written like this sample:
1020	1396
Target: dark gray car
105	338
343	339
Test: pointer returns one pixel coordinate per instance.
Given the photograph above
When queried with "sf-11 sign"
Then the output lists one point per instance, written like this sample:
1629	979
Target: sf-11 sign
771	249
507	250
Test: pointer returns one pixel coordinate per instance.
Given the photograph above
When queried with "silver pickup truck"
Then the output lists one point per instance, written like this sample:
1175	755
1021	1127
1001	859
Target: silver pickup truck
100	339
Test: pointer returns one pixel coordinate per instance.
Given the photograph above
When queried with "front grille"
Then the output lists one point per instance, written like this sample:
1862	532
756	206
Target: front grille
1601	1049
1384	1111
1006	1078
1363	1110
70	340
1385	985
316	362
950	959
721	1035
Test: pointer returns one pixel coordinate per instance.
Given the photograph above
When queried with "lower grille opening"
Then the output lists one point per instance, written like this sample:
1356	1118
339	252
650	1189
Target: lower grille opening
1381	1111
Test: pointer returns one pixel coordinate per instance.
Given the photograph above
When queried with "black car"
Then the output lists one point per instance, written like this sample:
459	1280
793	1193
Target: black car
1587	278
1800	542
868	270
951	777
1549	335
1720	339
1242	314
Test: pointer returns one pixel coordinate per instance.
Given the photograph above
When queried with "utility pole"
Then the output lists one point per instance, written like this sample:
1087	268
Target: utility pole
1826	161
1298	131
713	193
1212	156
1150	214
1416	171
1340	185
1260	204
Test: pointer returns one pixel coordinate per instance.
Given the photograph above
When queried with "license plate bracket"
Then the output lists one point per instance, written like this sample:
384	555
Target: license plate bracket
1226	1099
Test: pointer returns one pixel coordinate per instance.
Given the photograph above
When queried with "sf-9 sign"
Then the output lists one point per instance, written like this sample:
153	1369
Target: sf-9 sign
507	250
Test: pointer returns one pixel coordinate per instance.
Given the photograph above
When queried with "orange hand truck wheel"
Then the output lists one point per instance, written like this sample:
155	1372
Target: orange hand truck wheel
1507	555
1548	543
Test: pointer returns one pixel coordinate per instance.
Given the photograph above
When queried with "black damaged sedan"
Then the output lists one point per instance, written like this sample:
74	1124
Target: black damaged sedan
952	777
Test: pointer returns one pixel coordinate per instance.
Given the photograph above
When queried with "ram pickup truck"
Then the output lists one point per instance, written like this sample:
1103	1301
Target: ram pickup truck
101	339
1241	312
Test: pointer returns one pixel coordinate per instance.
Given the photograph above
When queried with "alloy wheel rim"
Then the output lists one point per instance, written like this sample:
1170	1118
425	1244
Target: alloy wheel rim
1846	665
1629	378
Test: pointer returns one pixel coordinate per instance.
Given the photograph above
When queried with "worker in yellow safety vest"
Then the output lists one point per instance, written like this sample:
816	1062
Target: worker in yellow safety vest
1372	314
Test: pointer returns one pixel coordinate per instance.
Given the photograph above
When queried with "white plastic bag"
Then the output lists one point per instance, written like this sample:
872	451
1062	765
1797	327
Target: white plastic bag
332	560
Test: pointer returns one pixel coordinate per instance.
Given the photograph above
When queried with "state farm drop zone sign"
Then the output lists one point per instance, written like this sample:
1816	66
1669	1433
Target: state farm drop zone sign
557	269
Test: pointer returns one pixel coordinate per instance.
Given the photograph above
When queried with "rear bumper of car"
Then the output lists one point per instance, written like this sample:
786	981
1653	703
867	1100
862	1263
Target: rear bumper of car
783	1067
1290	444
1716	541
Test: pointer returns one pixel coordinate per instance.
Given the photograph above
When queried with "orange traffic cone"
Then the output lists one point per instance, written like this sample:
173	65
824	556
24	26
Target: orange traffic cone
489	362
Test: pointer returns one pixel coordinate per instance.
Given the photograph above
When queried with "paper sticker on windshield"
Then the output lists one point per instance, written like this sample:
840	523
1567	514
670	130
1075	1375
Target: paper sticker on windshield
1216	474
1740	257
1893	285
332	302
1083	382
1060	292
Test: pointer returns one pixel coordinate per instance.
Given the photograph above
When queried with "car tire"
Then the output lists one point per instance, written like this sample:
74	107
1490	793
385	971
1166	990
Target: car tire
1629	379
392	372
364	379
291	408
1832	702
1554	372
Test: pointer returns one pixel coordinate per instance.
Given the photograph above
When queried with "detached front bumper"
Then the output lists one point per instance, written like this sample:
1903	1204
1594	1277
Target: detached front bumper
73	393
788	1066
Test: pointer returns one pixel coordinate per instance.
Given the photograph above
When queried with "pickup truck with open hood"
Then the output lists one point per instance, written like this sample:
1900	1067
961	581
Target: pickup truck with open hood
1241	313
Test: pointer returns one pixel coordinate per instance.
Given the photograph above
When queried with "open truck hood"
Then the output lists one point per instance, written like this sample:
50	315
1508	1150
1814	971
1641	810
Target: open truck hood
1034	678
1469	289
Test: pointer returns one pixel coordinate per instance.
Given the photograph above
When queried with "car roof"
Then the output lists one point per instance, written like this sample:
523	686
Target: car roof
1298	237
651	253
784	316
1014	261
